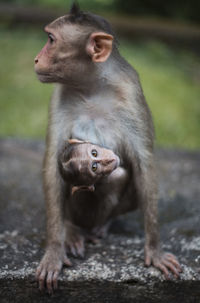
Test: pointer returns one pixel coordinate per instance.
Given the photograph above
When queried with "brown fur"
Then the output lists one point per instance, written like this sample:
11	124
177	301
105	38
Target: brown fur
99	99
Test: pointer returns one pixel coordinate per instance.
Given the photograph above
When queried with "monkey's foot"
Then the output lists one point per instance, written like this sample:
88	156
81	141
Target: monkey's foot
97	233
163	261
75	245
50	267
74	241
101	231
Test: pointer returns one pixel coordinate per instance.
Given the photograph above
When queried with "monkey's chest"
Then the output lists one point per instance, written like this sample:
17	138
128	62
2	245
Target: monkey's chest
97	128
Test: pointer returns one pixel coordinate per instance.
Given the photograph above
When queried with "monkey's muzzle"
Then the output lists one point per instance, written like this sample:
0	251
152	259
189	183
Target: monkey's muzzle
90	188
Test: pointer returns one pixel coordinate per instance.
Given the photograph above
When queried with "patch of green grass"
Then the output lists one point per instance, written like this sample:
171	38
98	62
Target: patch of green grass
169	78
94	5
23	99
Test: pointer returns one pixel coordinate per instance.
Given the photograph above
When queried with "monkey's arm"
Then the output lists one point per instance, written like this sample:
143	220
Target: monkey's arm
147	194
54	257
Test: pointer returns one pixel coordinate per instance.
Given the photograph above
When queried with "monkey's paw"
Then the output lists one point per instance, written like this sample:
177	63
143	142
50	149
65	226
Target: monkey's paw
75	245
163	261
50	267
102	231
97	233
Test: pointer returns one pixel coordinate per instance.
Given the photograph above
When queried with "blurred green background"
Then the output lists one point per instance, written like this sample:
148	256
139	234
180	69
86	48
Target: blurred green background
170	75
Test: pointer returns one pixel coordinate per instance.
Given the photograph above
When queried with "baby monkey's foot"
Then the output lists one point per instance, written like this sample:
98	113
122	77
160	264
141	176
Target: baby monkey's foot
97	233
101	231
75	245
74	240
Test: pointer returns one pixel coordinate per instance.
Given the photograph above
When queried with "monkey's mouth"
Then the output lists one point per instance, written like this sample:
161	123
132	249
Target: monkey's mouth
79	188
43	76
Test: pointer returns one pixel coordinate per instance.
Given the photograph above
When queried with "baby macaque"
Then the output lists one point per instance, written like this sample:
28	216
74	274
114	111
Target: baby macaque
84	164
95	177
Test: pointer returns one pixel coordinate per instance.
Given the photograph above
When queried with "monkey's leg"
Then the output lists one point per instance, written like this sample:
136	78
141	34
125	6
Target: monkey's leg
55	255
147	188
74	240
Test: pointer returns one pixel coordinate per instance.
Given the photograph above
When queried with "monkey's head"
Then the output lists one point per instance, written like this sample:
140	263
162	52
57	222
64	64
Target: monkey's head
76	42
83	164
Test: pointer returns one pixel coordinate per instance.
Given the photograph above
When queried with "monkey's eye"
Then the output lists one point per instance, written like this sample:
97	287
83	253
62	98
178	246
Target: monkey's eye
94	153
94	166
51	38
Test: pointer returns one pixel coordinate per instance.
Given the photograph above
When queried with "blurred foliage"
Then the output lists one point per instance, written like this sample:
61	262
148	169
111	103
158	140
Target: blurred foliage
23	100
170	80
175	9
94	5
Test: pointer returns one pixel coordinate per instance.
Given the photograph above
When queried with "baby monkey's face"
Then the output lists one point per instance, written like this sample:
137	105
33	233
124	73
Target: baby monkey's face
95	160
88	163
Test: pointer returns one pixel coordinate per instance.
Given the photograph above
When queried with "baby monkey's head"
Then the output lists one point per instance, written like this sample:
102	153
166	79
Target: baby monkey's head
83	164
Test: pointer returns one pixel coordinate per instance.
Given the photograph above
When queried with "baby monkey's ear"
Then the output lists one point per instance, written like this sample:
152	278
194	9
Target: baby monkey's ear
76	141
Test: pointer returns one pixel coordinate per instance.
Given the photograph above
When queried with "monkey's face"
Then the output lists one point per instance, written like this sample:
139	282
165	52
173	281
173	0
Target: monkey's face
89	163
57	58
64	57
70	52
101	161
45	60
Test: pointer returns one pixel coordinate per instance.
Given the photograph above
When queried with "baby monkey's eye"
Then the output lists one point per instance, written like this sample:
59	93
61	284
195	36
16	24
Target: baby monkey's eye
94	166
94	153
51	38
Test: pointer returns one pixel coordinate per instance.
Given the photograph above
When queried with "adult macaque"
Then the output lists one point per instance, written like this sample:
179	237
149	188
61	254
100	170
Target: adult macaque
98	99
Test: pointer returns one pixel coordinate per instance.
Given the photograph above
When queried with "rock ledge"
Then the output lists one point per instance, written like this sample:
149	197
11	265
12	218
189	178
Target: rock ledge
112	270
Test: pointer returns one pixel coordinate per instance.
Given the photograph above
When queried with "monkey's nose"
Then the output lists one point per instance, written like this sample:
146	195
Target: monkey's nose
36	60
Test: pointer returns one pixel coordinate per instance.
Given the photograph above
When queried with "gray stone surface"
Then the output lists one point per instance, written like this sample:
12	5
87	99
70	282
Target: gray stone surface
112	270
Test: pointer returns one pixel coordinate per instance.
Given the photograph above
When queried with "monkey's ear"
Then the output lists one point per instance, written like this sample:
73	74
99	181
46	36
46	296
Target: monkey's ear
99	46
75	141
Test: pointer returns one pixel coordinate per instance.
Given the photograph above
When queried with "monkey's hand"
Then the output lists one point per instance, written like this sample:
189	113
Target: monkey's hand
163	261
50	267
